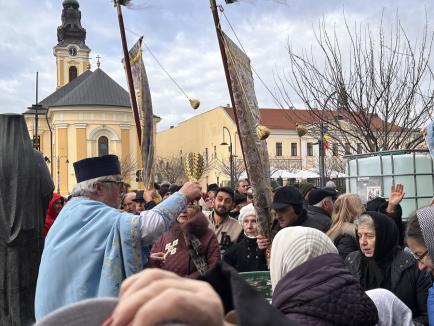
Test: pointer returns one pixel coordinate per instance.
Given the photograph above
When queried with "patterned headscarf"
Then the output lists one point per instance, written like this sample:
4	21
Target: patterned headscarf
295	245
425	217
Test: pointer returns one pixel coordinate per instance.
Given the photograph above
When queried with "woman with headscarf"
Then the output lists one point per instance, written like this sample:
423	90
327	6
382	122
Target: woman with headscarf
420	239
342	231
381	263
245	255
311	284
54	208
190	247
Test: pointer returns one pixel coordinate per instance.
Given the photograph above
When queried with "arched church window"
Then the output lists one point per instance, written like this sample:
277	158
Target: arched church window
103	146
72	73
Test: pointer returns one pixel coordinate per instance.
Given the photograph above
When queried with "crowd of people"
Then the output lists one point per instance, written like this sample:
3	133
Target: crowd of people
173	255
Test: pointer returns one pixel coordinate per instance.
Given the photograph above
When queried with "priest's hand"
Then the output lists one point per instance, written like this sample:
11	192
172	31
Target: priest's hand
156	296
192	190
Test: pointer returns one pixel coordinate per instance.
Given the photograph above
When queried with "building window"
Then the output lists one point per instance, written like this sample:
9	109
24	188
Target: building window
309	149
347	149
293	149
206	155
103	146
278	149
72	73
359	148
215	152
335	149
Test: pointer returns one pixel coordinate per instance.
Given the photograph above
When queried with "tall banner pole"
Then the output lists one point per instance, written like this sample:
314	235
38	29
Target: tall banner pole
128	70
252	134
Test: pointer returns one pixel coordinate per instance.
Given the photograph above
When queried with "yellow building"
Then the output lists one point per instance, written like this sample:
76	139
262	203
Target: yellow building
88	115
206	132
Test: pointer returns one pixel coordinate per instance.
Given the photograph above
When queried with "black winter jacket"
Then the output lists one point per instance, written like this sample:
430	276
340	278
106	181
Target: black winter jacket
345	240
409	284
245	256
320	216
303	220
322	292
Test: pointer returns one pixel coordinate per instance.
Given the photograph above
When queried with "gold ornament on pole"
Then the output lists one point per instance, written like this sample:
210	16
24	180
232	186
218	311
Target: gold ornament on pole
301	130
262	132
194	103
194	166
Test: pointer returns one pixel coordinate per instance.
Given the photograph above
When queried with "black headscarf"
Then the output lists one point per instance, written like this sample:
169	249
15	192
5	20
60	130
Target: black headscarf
375	272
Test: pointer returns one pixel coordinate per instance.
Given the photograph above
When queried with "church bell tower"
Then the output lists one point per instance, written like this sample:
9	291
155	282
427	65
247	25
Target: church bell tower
71	51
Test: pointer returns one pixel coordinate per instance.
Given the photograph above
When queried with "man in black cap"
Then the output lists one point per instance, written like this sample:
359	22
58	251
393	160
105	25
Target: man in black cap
288	207
93	247
321	206
289	211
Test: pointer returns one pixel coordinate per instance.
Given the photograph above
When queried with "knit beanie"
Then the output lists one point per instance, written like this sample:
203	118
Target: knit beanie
425	216
292	246
248	210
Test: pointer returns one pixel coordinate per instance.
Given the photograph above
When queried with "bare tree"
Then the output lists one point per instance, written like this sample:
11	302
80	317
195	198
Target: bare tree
373	89
171	169
224	167
128	167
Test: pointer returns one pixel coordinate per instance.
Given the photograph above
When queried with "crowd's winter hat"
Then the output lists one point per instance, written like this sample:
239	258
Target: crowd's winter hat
316	195
305	187
331	184
286	196
95	167
247	210
239	198
139	196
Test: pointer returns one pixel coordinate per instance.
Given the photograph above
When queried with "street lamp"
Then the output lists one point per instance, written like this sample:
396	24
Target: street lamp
321	143
231	158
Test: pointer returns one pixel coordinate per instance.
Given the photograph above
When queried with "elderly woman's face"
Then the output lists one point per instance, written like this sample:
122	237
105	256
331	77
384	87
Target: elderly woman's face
249	226
188	212
366	234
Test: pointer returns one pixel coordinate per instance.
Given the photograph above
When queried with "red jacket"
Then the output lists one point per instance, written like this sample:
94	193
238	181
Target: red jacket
178	260
51	216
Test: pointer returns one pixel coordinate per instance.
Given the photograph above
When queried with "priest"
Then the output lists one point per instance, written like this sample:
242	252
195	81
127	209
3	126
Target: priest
92	246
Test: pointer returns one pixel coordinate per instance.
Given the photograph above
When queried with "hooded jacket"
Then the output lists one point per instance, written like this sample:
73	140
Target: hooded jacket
392	268
322	292
51	215
178	259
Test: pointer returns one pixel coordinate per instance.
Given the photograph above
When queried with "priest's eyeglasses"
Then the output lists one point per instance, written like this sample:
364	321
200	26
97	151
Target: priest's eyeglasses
120	184
419	258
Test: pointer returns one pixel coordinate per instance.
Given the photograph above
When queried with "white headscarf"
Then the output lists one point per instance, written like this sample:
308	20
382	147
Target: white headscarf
295	245
391	310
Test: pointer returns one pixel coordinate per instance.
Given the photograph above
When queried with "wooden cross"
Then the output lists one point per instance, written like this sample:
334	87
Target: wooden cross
98	63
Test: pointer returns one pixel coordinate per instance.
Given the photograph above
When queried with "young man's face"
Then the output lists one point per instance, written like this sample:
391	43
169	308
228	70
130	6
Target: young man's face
223	204
285	216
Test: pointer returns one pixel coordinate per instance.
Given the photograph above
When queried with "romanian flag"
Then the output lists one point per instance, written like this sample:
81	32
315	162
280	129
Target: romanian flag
325	138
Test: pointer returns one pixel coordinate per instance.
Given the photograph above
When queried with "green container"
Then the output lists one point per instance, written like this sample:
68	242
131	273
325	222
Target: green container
261	281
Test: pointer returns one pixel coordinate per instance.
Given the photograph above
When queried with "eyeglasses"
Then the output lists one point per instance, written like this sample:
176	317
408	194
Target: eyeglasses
419	258
121	184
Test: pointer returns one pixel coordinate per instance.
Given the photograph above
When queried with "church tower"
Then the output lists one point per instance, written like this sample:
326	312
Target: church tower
71	51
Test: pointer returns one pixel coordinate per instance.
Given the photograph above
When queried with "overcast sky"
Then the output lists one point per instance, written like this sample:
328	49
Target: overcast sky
181	34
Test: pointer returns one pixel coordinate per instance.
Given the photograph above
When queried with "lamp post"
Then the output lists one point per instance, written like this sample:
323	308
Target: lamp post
58	171
231	158
321	143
